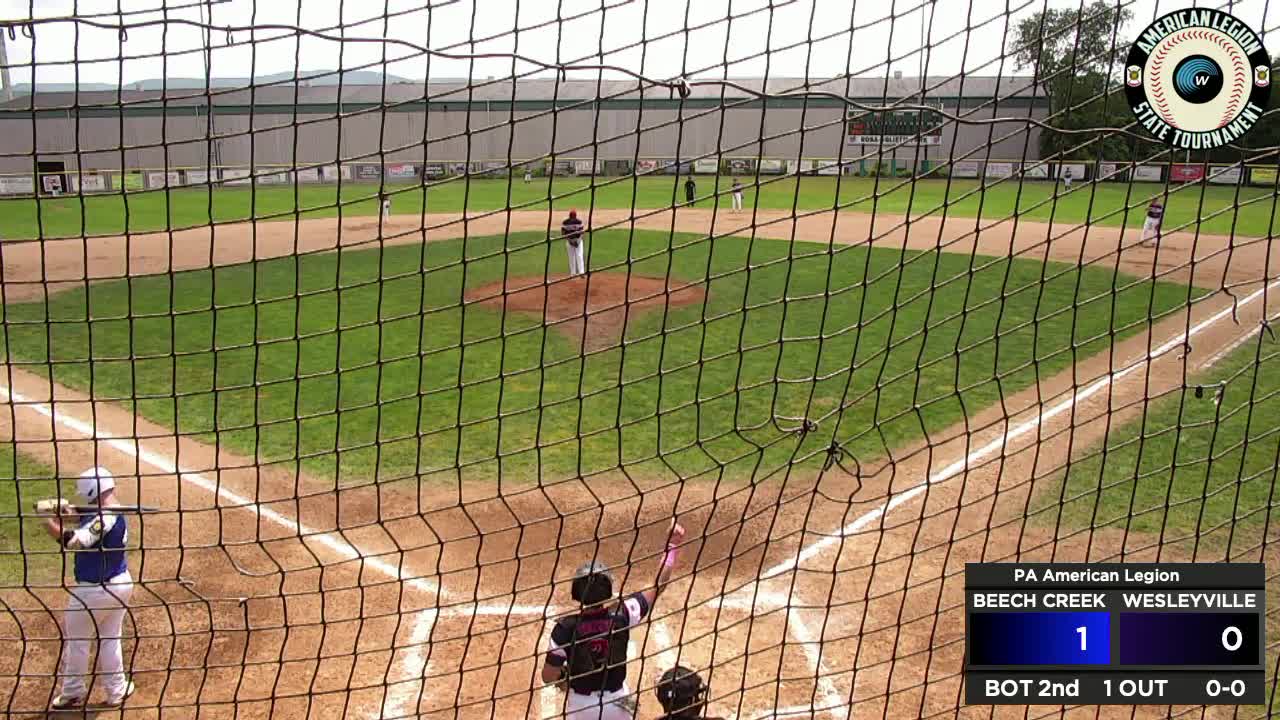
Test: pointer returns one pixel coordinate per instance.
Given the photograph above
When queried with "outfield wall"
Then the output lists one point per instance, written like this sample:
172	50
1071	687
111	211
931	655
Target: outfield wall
399	173
188	136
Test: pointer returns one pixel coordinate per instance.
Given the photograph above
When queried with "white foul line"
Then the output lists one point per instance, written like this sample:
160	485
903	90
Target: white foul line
811	644
1232	346
983	452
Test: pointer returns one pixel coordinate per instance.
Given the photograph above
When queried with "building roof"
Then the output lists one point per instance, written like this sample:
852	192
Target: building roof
532	89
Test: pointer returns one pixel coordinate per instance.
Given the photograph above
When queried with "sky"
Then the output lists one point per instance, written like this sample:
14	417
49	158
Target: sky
654	38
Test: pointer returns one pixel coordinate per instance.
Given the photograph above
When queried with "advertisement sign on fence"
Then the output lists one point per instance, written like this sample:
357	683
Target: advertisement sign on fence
740	166
799	167
368	172
646	166
999	169
1180	172
88	182
329	173
434	170
1147	173
1229	175
965	168
706	166
1110	171
828	167
280	178
1035	171
171	178
584	167
235	176
402	171
17	185
1263	175
197	177
1076	170
307	175
771	166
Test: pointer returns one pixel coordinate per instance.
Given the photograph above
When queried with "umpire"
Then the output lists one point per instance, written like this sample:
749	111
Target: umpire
588	650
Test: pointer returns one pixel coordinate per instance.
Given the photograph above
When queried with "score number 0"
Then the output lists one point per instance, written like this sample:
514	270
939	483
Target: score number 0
1232	638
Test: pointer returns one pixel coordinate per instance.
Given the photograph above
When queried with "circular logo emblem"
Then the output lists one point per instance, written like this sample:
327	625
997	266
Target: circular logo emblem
1197	79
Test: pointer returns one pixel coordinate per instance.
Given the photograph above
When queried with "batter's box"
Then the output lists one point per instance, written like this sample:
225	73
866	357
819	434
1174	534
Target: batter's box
484	661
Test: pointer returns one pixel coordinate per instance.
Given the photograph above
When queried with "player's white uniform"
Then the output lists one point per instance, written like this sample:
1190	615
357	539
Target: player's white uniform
589	701
737	196
95	611
386	209
572	230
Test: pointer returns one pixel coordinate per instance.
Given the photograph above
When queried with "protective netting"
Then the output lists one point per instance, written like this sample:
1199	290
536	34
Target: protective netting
868	296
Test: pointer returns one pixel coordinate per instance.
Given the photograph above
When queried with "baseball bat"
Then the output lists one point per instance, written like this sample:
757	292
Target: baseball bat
49	508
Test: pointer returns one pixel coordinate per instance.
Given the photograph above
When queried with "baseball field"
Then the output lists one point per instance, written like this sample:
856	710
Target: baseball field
382	446
1219	209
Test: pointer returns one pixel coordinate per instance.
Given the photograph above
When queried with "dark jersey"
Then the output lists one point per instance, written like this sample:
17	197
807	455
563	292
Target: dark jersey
571	229
1155	212
593	647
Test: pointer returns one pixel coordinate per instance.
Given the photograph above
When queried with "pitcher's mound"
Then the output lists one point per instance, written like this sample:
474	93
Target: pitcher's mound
594	308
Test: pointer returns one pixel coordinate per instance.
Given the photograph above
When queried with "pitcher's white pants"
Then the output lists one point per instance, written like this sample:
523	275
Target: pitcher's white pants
737	201
577	265
600	706
95	614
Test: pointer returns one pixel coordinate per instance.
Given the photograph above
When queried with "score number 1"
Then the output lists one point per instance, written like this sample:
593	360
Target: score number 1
1084	637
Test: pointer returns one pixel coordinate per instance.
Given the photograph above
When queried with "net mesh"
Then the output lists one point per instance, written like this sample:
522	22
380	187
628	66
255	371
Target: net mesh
864	294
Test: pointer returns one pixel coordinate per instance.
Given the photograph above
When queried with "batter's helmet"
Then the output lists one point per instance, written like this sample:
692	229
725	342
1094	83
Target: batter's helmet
592	584
681	692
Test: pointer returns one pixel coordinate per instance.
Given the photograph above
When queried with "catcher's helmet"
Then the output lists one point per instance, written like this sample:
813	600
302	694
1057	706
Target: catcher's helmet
592	584
681	692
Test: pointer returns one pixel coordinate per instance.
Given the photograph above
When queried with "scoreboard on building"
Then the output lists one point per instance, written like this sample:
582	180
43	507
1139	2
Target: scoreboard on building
1112	634
896	127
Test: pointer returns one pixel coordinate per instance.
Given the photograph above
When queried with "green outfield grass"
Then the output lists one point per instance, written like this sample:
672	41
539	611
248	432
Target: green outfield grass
27	555
1190	467
149	211
421	380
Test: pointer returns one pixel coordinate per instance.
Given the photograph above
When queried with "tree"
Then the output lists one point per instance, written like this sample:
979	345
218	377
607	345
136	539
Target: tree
1077	55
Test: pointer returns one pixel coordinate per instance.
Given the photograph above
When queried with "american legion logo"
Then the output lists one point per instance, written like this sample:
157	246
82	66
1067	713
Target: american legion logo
1198	79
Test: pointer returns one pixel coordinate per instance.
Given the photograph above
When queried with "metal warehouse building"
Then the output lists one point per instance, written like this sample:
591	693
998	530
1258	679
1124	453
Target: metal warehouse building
454	122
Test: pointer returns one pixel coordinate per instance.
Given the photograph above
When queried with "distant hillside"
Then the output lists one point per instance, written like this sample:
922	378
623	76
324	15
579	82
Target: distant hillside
309	77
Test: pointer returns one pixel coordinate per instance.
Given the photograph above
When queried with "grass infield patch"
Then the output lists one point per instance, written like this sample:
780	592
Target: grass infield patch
366	364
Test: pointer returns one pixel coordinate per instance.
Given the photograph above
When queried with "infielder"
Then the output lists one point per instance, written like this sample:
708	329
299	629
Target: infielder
528	176
737	194
1066	180
682	694
571	229
588	650
386	208
96	608
1151	226
690	191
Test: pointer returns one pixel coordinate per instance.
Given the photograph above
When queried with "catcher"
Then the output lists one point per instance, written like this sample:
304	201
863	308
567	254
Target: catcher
95	611
588	650
682	694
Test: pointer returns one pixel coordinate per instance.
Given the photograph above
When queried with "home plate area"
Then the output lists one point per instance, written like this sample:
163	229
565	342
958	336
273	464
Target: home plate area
475	650
483	659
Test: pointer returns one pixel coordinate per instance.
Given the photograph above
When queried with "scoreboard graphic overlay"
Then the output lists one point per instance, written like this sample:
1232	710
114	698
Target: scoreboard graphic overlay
1114	634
